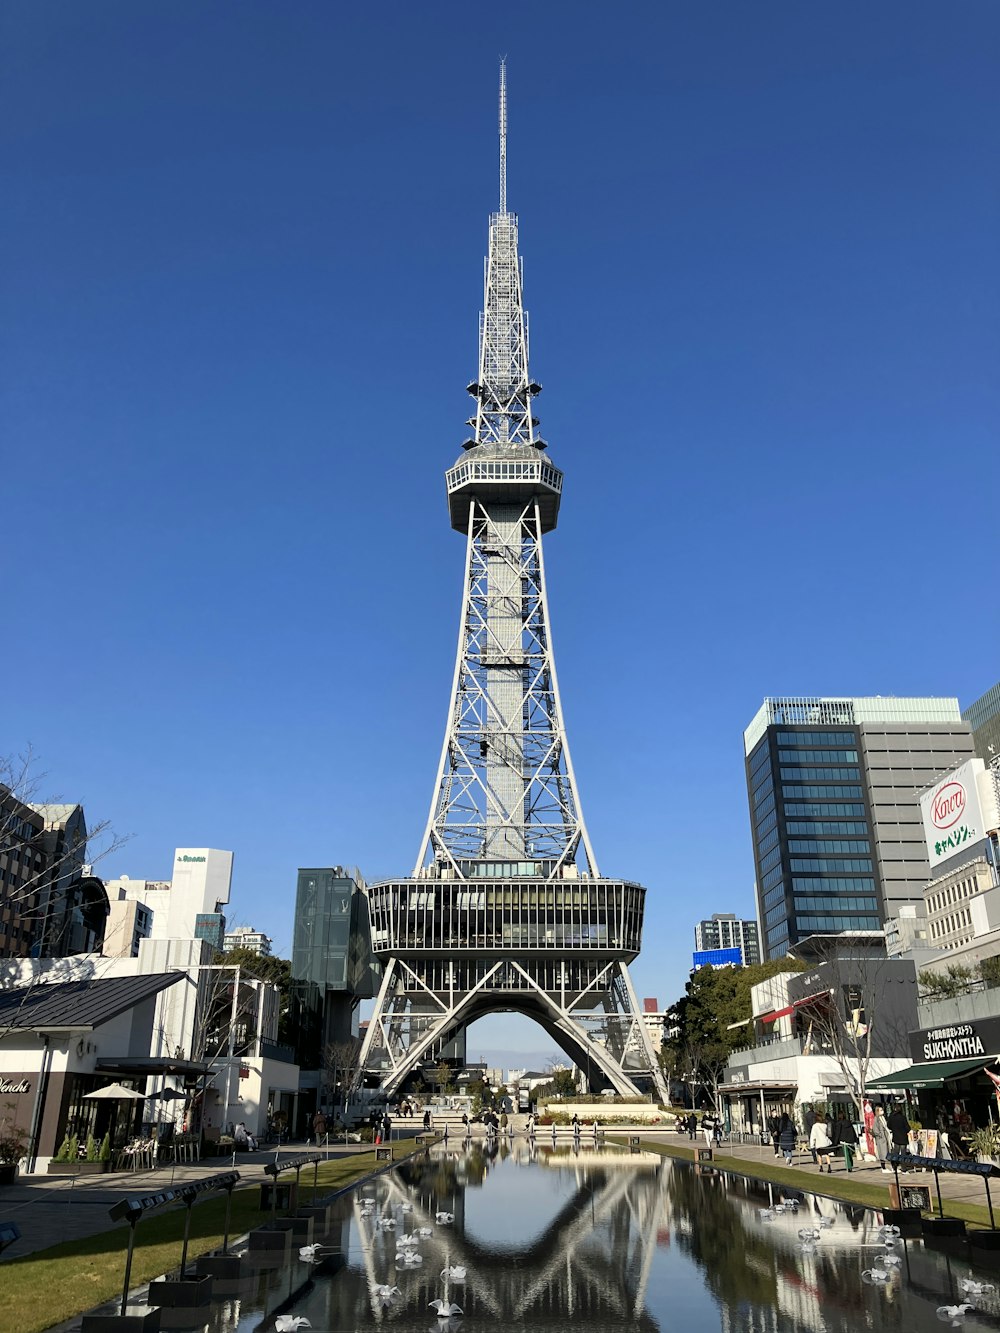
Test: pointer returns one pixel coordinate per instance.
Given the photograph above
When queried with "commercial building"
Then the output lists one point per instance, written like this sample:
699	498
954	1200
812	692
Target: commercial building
245	937
200	887
331	975
724	930
811	1033
983	717
834	786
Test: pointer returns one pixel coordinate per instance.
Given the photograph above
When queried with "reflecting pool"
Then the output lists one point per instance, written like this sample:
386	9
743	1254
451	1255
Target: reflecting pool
600	1239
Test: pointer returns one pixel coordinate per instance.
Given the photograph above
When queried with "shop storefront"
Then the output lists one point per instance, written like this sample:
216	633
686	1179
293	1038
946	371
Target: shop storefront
946	1087
748	1105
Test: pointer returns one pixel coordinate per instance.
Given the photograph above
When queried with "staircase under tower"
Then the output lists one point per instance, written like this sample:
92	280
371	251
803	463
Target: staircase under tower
506	909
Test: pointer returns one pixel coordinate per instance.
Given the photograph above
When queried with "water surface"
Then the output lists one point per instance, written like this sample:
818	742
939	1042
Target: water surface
599	1241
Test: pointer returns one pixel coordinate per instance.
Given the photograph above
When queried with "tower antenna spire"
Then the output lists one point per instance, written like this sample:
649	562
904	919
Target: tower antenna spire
503	134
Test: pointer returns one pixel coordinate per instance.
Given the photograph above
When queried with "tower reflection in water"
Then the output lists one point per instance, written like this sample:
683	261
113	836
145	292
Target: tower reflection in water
597	1240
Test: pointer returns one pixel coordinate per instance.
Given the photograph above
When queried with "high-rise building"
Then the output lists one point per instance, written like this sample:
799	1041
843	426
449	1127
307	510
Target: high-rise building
983	717
724	930
834	787
51	906
498	913
200	887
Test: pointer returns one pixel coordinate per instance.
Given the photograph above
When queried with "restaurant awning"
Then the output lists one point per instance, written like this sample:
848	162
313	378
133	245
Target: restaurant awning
759	1085
777	1013
926	1075
811	999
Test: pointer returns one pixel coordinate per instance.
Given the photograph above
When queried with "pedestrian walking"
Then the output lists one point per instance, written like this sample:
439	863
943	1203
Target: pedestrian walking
692	1125
708	1128
787	1136
427	1119
882	1138
819	1138
808	1120
899	1128
319	1127
774	1128
845	1136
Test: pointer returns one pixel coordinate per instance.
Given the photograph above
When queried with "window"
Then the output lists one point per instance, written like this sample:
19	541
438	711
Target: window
824	794
843	922
820	774
767	842
770	860
815	737
830	827
834	903
768	819
828	845
832	884
834	864
818	756
776	895
771	878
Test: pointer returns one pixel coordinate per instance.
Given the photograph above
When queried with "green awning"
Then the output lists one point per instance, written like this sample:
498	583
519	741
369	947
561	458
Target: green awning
934	1075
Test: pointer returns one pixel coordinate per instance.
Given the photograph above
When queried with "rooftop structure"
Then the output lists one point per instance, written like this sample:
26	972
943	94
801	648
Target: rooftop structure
499	913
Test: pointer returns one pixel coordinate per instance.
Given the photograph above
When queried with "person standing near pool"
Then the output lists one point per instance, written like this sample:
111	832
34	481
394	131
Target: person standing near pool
881	1138
845	1136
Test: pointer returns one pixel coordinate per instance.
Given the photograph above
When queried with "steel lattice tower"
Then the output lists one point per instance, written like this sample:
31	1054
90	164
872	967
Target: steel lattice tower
498	914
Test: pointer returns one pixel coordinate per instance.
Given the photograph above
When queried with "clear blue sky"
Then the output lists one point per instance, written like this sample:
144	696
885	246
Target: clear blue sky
243	249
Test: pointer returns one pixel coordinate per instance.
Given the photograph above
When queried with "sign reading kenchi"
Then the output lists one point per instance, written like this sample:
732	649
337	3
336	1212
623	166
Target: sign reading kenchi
952	813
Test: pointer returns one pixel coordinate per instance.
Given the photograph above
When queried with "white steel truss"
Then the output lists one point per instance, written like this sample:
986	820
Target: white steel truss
505	788
461	938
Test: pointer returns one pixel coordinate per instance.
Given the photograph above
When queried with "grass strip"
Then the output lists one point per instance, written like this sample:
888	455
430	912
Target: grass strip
52	1285
832	1187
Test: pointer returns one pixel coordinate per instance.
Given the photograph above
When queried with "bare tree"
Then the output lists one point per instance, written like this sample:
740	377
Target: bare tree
341	1068
45	872
858	1014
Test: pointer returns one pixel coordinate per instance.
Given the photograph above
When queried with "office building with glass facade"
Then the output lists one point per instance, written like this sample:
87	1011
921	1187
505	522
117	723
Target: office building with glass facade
331	960
834	788
984	718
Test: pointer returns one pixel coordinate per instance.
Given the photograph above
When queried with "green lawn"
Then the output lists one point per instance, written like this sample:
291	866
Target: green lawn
45	1288
840	1186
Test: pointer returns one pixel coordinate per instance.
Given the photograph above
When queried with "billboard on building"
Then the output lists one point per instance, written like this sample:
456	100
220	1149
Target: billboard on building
717	957
958	811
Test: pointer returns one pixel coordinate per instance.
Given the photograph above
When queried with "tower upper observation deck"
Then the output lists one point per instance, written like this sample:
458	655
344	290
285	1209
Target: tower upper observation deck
504	461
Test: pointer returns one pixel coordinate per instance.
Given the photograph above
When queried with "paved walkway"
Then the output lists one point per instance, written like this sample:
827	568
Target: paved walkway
50	1209
964	1189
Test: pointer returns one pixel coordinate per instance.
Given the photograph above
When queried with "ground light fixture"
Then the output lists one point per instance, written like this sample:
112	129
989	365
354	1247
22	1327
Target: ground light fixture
9	1233
134	1207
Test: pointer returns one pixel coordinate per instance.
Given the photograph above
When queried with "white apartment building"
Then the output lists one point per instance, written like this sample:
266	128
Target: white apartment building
948	901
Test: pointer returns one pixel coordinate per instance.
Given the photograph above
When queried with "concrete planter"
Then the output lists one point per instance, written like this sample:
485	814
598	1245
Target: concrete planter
78	1168
8	1173
186	1294
136	1319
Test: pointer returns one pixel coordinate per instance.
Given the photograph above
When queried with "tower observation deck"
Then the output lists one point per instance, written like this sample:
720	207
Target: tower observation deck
506	909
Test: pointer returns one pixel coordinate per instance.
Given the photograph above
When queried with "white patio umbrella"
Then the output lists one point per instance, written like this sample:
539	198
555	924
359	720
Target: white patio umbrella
114	1092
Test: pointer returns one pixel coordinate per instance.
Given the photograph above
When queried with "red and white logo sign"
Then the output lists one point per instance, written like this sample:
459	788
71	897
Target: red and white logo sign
948	804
